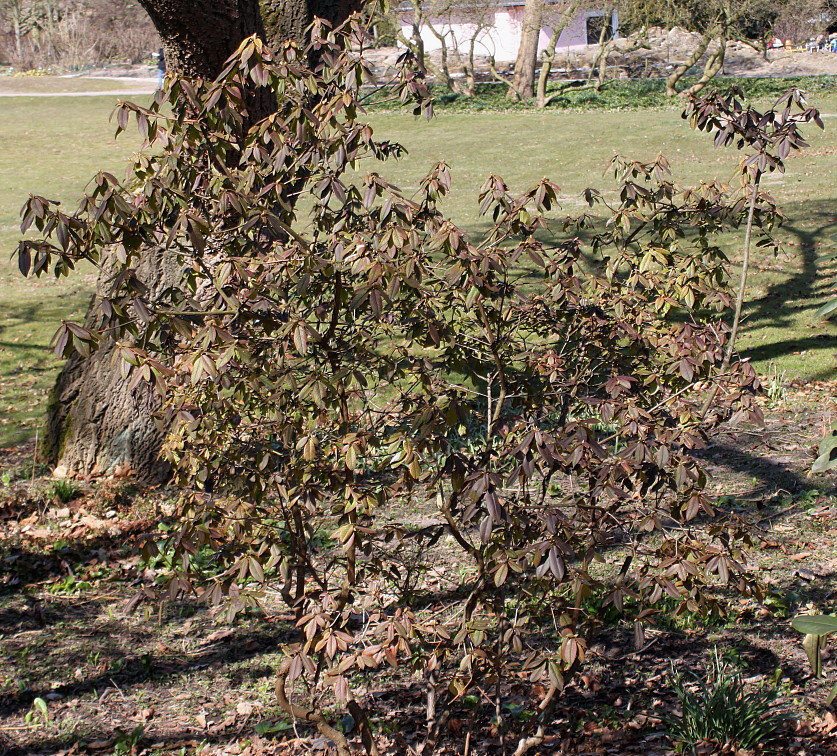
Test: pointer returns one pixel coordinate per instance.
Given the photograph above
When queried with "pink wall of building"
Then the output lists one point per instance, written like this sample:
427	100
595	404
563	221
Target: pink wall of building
575	33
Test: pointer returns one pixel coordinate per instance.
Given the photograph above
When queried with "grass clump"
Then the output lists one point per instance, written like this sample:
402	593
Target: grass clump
719	709
65	490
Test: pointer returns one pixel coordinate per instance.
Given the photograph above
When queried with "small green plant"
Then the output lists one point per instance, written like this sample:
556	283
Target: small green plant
147	663
827	453
732	657
84	579
673	614
162	556
126	742
38	714
270	727
519	712
6	479
65	490
778	603
809	499
816	627
774	385
718	708
69	586
198	749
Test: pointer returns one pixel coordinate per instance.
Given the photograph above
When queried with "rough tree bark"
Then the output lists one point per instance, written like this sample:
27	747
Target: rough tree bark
523	83
199	36
288	19
95	423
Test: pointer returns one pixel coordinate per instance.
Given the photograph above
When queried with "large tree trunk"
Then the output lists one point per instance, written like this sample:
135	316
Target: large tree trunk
288	20
199	36
95	422
523	84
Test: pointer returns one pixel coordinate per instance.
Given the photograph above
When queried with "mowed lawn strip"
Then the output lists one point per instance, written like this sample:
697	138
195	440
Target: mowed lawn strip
40	85
53	146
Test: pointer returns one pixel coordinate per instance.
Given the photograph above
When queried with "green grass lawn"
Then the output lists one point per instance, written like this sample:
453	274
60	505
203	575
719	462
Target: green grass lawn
53	147
62	84
50	147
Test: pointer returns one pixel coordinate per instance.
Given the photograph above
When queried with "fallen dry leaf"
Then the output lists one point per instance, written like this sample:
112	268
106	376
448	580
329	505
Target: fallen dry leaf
216	636
244	708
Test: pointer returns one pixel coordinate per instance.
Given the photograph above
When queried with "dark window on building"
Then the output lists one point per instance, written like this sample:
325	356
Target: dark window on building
594	29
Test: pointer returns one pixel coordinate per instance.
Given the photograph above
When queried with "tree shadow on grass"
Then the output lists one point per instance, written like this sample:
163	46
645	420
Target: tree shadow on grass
21	567
801	286
798	291
77	644
25	346
770	474
34	315
810	223
255	645
617	678
182	741
779	349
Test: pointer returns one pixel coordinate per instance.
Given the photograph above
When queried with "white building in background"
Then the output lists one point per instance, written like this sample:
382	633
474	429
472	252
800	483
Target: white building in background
498	27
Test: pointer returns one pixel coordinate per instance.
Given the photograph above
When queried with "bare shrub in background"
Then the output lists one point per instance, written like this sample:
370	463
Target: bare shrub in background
72	35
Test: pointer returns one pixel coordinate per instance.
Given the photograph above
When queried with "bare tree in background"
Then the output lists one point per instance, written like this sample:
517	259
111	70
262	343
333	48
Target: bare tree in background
804	19
74	34
19	17
717	22
523	83
567	13
459	29
539	14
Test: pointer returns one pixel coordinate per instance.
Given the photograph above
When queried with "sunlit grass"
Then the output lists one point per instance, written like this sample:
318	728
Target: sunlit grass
63	84
50	147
